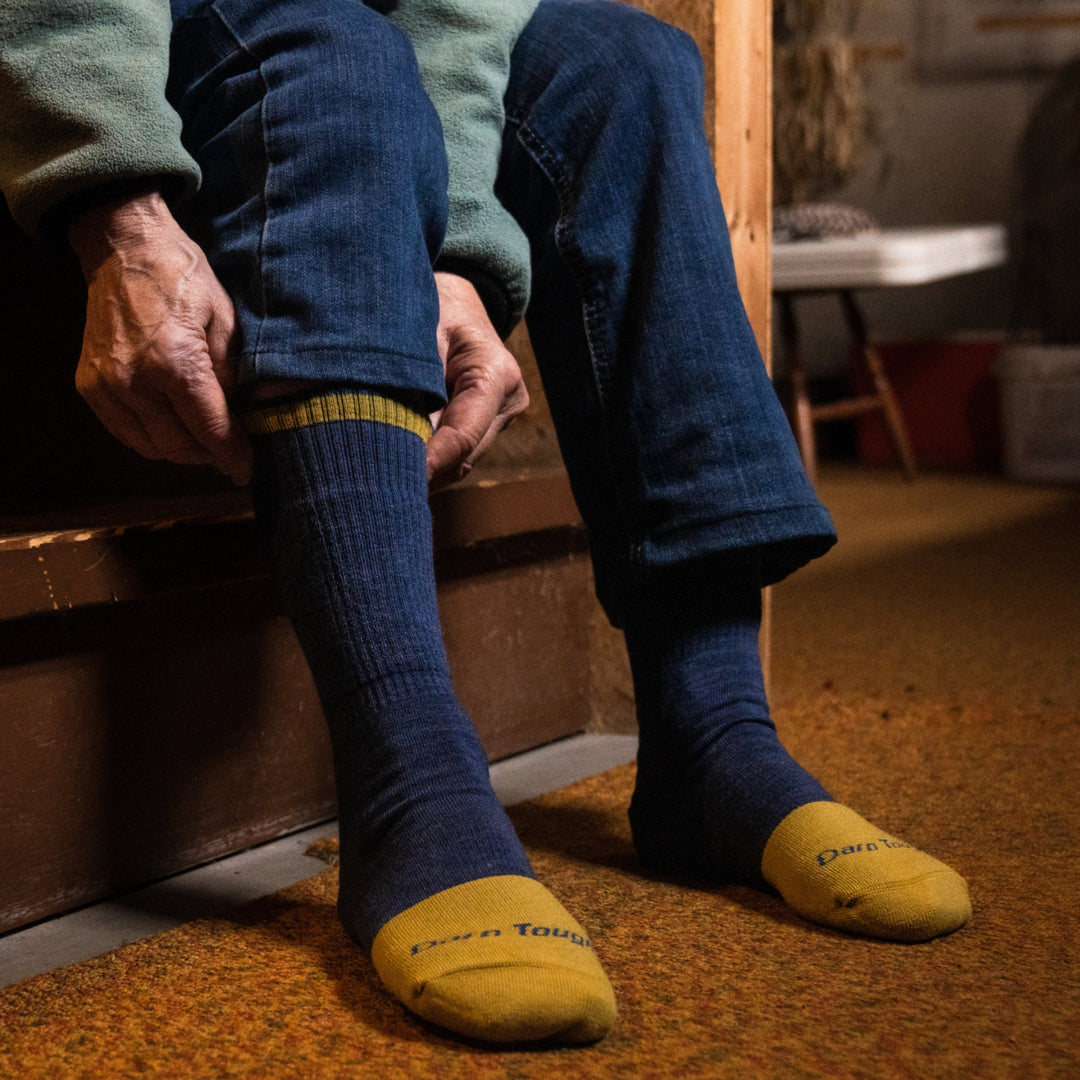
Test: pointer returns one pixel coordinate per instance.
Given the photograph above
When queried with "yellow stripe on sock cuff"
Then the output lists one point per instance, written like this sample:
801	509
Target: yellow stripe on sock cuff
339	405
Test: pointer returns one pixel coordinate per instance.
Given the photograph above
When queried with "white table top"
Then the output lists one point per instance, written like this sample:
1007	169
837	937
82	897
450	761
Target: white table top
887	257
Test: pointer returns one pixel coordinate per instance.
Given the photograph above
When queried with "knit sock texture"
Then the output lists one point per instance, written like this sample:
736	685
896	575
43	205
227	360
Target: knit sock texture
718	795
713	779
497	959
341	498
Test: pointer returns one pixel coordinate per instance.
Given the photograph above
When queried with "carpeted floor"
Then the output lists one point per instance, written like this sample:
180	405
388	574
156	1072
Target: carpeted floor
927	671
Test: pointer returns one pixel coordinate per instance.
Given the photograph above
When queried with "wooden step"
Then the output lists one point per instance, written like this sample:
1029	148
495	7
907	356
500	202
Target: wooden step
158	712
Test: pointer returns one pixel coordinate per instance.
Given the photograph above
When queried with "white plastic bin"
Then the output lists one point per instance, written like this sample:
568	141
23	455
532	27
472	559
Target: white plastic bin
1040	412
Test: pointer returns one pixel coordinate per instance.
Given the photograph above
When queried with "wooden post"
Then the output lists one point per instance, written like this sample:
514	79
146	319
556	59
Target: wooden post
735	38
742	148
742	151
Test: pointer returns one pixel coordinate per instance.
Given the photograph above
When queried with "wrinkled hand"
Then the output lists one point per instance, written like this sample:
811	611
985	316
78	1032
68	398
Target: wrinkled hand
155	364
483	382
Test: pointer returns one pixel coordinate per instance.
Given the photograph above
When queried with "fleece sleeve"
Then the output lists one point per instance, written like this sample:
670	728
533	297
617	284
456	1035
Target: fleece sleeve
82	102
463	48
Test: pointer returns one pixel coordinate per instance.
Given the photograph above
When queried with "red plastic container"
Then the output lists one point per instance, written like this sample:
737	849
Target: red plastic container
949	397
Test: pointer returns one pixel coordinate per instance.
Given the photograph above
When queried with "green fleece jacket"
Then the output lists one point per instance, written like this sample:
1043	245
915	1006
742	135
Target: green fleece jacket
82	105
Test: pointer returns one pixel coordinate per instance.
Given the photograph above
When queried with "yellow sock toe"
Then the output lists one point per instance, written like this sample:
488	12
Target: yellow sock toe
833	867
498	959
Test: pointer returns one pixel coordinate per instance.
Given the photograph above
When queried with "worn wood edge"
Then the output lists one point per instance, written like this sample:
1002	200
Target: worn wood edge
540	496
137	550
114	519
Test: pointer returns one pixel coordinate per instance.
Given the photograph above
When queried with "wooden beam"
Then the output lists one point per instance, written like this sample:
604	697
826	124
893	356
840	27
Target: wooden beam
742	63
742	151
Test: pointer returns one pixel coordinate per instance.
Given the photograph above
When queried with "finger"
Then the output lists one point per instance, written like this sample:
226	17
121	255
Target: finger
445	460
483	400
517	401
467	427
121	422
155	429
205	413
462	428
230	444
169	433
497	426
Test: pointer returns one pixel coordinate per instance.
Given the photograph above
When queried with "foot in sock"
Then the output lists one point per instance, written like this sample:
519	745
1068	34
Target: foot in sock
461	957
834	867
433	879
718	795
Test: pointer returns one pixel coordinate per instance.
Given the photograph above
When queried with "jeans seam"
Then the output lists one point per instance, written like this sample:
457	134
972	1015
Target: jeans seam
365	349
591	297
760	535
552	168
243	47
265	355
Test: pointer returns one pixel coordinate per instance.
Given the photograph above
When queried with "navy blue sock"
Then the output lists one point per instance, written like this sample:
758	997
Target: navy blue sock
713	779
341	498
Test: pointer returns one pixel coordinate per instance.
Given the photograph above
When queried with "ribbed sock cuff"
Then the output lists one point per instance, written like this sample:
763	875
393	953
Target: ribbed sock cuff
336	405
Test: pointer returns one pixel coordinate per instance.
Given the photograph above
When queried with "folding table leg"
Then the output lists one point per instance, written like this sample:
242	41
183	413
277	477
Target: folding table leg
804	418
883	391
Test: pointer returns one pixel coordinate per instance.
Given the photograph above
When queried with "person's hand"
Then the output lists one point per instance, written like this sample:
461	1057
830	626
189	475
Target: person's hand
483	382
155	364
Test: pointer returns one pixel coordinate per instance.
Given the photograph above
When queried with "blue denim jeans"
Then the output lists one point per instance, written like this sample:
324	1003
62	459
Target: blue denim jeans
323	208
323	200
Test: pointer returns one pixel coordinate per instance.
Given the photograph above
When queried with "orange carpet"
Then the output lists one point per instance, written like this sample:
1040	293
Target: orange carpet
891	683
